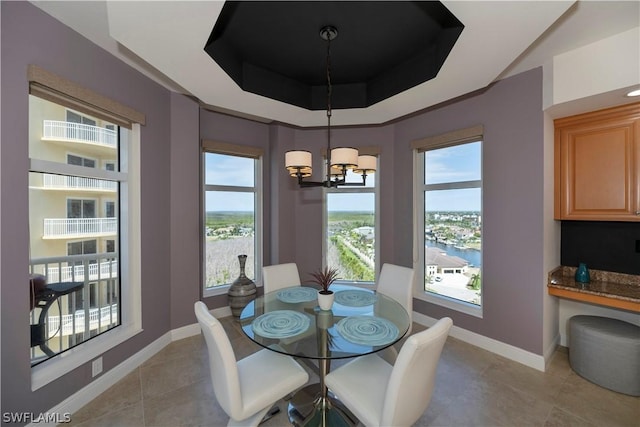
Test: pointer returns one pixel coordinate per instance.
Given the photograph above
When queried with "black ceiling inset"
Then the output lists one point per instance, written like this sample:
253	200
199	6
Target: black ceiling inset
274	49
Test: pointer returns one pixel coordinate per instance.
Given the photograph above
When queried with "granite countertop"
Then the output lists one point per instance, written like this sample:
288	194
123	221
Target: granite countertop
607	284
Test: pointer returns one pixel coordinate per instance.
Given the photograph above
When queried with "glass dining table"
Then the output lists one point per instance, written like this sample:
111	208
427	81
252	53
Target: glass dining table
290	322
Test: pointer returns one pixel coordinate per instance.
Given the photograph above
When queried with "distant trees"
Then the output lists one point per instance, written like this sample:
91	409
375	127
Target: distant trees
352	267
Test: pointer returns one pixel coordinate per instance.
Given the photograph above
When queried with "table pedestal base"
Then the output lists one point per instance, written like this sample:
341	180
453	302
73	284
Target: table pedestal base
309	409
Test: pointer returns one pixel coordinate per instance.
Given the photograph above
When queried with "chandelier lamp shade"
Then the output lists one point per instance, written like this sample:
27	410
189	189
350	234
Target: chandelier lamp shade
339	160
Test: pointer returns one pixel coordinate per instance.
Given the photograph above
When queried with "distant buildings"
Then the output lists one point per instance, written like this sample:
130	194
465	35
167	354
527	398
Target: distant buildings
366	232
438	262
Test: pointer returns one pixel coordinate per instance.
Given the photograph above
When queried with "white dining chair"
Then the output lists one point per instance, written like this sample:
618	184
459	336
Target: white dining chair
380	394
280	276
246	389
396	282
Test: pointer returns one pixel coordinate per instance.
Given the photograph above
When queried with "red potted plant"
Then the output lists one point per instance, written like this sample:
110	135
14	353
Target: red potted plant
324	278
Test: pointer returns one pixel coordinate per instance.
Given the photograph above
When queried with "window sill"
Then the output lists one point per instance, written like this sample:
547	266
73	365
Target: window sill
71	359
215	291
450	303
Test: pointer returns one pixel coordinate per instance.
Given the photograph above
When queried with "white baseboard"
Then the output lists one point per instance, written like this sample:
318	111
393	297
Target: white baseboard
548	354
221	312
505	350
185	332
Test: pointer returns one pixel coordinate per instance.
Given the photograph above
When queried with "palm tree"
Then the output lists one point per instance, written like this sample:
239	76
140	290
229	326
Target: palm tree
474	283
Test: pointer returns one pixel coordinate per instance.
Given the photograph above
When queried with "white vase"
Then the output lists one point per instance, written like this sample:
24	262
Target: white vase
325	301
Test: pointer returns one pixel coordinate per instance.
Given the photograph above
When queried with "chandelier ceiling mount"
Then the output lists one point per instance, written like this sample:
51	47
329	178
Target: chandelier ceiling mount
339	160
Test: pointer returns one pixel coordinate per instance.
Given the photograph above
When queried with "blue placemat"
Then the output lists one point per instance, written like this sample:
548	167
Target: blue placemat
355	298
297	294
280	324
367	330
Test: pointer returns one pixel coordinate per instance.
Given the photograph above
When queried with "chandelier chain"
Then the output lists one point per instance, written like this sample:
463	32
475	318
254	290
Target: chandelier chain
329	90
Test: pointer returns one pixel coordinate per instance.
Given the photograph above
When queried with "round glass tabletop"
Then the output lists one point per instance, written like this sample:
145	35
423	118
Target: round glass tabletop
289	321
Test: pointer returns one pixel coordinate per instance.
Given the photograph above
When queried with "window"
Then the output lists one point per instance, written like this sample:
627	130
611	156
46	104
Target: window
68	240
81	161
110	209
77	208
66	231
351	229
232	213
449	219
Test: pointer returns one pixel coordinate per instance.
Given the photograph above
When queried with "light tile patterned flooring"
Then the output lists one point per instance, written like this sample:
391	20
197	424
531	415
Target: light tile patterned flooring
473	388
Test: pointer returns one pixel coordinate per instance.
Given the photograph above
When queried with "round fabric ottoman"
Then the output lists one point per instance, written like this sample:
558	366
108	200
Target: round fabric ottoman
606	352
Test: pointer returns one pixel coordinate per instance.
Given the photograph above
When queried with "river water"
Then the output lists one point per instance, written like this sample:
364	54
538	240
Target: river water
471	255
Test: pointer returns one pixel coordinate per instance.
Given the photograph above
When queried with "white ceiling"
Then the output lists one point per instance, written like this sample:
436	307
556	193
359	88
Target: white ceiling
165	40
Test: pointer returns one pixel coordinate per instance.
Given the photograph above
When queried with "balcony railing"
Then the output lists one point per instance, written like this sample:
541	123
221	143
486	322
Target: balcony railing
64	272
77	132
51	181
79	227
75	323
75	317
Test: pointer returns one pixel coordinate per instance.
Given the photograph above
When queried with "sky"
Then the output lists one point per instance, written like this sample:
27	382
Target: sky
451	164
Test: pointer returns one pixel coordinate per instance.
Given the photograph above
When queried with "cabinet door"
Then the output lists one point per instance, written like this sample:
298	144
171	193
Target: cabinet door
599	157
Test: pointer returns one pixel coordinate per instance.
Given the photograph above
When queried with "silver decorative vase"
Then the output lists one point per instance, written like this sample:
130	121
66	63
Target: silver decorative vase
242	291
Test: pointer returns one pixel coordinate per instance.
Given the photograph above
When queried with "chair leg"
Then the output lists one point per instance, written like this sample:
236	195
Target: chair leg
252	421
275	409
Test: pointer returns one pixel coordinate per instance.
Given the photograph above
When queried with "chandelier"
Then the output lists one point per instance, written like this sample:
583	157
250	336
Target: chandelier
339	160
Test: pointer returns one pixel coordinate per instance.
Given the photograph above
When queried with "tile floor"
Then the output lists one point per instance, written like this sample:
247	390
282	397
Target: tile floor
473	388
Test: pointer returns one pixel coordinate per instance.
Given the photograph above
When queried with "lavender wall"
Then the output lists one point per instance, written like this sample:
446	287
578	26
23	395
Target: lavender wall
29	36
185	210
513	270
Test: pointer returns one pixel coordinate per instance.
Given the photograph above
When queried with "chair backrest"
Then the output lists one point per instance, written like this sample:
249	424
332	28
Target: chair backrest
222	362
411	383
280	276
397	282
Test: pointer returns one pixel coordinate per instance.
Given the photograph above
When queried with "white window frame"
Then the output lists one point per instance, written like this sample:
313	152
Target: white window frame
419	147
325	218
130	260
257	190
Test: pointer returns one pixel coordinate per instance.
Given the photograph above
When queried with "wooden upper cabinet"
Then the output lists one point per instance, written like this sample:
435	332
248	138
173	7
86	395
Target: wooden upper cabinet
597	162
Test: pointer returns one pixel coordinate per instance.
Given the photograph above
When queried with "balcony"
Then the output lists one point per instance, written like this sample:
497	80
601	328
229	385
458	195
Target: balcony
55	130
68	320
66	228
62	271
61	182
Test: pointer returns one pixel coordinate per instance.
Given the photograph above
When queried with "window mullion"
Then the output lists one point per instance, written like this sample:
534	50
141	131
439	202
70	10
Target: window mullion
210	187
46	166
453	185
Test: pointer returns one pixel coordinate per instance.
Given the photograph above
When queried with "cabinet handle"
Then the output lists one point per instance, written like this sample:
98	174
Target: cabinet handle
638	213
